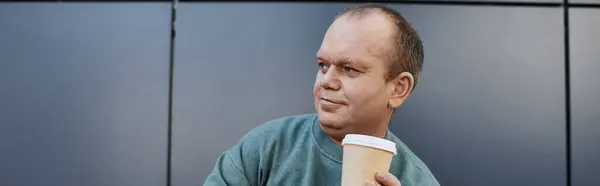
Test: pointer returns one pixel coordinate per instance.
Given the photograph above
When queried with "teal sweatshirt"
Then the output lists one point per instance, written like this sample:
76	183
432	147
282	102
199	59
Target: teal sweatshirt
294	150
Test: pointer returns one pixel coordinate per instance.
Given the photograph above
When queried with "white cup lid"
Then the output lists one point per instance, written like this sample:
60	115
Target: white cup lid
370	141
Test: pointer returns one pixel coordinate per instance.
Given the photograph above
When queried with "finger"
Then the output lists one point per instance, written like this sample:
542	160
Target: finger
373	183
387	179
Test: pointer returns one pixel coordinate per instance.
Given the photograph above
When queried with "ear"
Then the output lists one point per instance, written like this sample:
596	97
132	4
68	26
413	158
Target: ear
401	86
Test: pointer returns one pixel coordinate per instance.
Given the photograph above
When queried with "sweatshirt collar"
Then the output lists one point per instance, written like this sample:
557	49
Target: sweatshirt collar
327	147
325	144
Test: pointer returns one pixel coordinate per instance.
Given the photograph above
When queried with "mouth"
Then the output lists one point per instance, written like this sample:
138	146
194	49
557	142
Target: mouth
333	101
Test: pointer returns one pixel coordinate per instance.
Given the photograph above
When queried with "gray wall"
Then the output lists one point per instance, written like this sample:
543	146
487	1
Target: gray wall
585	1
84	94
491	98
84	89
585	89
239	65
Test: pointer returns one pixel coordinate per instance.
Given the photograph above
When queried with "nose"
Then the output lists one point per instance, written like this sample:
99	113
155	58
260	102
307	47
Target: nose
330	79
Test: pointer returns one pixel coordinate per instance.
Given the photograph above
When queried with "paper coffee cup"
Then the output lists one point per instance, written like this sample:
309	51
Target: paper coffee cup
363	157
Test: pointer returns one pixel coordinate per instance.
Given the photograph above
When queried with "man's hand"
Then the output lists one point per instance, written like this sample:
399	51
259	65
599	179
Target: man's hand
385	179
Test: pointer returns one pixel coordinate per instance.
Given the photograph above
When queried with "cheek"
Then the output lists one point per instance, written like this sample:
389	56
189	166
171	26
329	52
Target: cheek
316	85
358	92
365	93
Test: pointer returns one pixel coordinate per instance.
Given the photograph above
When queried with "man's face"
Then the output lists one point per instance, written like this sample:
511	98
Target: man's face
350	90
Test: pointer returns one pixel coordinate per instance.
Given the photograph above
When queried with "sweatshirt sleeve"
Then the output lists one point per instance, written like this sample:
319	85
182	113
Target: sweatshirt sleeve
226	172
243	163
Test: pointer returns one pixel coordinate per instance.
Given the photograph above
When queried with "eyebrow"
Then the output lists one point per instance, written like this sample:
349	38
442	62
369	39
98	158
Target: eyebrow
346	61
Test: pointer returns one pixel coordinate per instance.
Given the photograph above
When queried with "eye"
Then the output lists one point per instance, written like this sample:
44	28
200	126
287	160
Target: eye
352	72
350	69
323	66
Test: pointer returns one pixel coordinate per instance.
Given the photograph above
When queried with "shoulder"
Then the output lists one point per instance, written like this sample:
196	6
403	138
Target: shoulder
406	154
274	131
254	152
278	127
409	168
257	146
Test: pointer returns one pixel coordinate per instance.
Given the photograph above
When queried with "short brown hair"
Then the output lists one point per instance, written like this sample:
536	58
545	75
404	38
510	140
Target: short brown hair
408	55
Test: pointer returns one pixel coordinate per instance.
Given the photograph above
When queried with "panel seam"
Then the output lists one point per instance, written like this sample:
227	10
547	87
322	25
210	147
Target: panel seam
567	92
171	107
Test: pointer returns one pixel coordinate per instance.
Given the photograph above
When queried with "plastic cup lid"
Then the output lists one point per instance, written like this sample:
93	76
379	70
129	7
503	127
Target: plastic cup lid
370	141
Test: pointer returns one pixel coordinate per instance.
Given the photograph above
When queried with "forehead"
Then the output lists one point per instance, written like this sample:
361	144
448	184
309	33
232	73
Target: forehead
365	38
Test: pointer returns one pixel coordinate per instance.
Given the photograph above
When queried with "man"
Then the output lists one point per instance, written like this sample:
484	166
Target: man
369	61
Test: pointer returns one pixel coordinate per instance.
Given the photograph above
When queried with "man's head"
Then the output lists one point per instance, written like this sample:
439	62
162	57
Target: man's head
369	63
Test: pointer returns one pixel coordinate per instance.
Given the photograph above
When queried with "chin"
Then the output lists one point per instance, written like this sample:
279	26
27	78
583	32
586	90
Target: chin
333	126
331	121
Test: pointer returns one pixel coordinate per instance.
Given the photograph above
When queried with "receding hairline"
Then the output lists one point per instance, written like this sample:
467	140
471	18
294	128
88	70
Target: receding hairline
409	47
369	9
357	14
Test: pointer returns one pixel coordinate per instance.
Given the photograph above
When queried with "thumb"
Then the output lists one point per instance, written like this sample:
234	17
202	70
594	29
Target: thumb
387	179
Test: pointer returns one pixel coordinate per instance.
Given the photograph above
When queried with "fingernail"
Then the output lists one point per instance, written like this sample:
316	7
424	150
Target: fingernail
380	176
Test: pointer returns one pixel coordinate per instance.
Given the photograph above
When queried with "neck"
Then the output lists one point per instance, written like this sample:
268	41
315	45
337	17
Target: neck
381	131
338	141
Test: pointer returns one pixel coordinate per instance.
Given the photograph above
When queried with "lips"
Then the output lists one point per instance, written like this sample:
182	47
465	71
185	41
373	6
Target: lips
333	101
